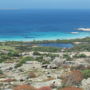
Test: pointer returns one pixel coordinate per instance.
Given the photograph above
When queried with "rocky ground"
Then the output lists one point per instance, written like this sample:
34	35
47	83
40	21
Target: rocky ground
60	72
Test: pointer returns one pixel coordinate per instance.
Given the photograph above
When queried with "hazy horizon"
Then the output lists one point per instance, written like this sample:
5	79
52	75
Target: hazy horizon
44	4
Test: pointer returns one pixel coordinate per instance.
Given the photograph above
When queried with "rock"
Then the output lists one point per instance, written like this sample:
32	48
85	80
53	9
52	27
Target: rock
56	62
86	84
48	83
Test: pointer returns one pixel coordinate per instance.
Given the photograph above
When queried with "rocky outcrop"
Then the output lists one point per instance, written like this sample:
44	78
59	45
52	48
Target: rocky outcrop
86	84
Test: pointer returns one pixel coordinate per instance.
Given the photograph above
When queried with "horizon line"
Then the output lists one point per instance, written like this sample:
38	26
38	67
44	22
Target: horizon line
43	9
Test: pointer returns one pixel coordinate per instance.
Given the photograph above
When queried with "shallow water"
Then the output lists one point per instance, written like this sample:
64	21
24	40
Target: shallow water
62	45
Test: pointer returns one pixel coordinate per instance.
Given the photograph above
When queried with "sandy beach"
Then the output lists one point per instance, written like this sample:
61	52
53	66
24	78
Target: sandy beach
83	29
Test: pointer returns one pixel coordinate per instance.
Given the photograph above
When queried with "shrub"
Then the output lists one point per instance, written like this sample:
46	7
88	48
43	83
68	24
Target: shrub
67	57
80	56
39	59
26	59
86	73
72	78
36	53
23	60
45	62
46	49
13	53
32	75
1	72
18	65
4	58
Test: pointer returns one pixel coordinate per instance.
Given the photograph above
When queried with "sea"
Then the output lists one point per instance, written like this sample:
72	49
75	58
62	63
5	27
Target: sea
28	25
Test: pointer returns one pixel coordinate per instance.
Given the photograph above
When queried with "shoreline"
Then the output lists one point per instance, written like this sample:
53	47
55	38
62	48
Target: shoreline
19	40
46	36
63	41
41	39
84	29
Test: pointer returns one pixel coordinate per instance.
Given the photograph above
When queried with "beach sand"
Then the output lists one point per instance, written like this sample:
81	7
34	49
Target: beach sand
84	29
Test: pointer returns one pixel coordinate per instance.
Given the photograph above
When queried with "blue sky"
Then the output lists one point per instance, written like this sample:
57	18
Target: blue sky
45	4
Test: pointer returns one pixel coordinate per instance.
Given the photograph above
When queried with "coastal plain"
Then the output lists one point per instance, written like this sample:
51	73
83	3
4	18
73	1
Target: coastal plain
30	66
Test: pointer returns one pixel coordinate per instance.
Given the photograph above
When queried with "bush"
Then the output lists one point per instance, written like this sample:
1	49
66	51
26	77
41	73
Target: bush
39	59
22	61
18	65
36	53
72	78
46	49
52	55
27	59
80	56
32	75
13	53
45	62
86	73
4	58
1	72
67	57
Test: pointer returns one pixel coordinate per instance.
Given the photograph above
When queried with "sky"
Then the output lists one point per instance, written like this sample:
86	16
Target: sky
44	4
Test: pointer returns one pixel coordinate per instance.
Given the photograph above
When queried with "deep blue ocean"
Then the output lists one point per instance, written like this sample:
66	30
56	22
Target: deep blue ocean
29	25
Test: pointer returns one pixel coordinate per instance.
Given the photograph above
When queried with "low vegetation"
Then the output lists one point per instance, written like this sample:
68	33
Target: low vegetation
1	72
86	73
23	60
79	56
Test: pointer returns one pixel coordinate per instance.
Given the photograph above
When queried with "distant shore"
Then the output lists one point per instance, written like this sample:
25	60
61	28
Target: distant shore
73	41
44	40
84	29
